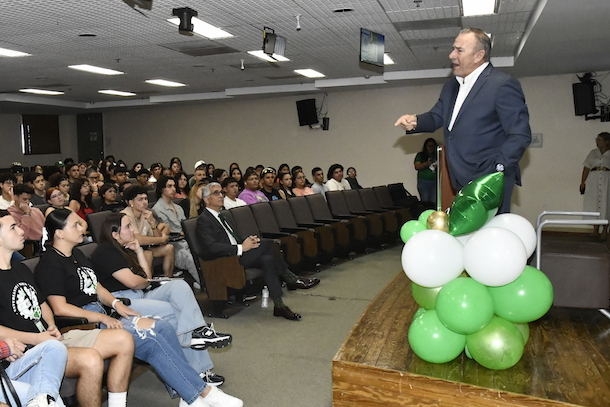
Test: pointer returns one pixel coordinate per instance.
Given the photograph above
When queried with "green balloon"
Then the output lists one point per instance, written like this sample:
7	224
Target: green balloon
466	216
418	313
498	346
410	228
525	332
423	217
526	299
432	342
424	296
476	204
467	352
464	305
488	189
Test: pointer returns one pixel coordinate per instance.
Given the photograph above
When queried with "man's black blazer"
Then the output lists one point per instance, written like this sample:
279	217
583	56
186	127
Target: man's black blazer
212	237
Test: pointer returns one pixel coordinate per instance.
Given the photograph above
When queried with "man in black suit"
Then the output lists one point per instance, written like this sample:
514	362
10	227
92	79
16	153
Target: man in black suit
218	238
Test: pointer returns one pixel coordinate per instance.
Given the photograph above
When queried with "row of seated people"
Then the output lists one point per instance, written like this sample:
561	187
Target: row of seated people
64	282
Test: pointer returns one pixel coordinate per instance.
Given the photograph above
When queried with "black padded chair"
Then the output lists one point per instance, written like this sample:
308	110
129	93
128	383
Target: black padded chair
218	274
95	221
385	200
376	229
329	238
338	209
356	236
265	220
389	218
308	238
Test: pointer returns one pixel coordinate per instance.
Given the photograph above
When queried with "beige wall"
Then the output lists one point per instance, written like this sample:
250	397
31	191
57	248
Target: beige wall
361	134
11	149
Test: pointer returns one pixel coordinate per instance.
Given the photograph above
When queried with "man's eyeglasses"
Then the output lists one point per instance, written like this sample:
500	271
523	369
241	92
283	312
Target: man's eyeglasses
218	192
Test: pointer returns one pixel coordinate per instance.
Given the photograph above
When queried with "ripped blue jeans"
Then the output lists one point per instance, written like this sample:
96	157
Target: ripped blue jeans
159	347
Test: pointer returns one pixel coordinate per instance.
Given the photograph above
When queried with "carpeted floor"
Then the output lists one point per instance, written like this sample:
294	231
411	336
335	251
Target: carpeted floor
274	362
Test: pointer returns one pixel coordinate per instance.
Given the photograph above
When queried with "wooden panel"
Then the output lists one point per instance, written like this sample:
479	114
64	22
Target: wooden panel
565	362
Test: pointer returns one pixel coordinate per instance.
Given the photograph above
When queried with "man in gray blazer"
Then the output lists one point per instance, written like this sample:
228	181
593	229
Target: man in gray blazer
484	117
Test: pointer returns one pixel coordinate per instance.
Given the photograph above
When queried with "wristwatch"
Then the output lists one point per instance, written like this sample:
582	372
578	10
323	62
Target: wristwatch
499	167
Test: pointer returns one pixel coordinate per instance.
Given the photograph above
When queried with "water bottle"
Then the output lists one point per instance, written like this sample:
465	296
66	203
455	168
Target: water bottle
265	301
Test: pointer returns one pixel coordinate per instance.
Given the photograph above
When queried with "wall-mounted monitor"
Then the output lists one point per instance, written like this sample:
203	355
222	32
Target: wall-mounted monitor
372	47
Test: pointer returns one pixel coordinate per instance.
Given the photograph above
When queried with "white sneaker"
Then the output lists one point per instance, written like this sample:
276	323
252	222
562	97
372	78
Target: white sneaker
42	400
197	403
218	398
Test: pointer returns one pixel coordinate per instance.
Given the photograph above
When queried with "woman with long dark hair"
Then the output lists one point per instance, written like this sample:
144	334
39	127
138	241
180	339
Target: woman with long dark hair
124	270
80	198
182	185
72	289
425	163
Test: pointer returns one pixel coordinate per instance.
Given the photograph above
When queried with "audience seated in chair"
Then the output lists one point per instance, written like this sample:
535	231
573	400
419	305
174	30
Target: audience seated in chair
218	238
7	181
251	193
300	187
87	349
230	187
37	183
336	182
318	180
269	190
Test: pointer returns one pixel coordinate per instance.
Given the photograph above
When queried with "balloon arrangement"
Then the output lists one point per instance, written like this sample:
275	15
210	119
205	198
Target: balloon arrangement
483	311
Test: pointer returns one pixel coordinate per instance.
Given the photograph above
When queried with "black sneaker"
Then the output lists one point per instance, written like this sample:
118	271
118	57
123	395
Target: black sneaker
206	336
211	378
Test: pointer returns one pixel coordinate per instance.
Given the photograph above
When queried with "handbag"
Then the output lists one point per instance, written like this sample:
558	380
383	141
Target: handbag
5	382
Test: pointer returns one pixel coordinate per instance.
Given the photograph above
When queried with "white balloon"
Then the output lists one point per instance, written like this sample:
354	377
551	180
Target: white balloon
519	226
432	258
464	238
494	256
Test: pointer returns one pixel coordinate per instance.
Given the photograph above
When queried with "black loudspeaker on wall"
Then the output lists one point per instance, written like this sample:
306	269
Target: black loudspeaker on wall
308	114
584	98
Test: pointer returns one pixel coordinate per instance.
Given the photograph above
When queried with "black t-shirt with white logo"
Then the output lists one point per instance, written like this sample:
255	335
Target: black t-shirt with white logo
71	277
19	300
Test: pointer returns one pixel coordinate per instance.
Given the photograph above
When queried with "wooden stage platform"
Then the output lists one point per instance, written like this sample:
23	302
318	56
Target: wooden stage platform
566	363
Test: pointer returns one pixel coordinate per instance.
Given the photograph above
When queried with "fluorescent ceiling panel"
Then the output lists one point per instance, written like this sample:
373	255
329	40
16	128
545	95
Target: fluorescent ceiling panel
478	7
4	52
387	60
204	29
163	82
116	92
42	92
95	69
265	57
310	73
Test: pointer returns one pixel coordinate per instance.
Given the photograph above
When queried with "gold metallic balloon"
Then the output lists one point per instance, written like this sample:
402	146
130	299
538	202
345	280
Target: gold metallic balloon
438	220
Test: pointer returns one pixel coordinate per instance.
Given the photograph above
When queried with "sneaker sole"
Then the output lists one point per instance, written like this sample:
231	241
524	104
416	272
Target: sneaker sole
215	345
214	384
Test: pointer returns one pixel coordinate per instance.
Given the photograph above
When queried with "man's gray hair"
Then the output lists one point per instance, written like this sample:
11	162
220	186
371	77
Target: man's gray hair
483	40
207	190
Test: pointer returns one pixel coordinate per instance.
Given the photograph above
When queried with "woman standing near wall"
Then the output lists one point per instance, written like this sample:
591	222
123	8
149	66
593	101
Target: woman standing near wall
425	164
595	182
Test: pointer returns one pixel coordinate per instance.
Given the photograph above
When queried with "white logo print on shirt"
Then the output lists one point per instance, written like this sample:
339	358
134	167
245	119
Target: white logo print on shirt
25	303
88	280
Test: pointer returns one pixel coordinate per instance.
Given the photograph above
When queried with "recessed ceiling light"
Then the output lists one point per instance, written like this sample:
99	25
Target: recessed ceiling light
343	10
42	92
96	69
204	29
266	57
163	82
4	52
87	35
116	92
310	73
387	60
478	7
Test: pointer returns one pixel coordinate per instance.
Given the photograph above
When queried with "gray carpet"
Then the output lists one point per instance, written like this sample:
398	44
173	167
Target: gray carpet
274	362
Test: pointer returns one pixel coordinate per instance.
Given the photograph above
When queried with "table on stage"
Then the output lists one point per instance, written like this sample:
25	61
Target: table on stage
566	363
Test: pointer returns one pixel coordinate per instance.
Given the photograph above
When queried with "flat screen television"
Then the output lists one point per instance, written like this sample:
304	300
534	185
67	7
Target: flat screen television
371	47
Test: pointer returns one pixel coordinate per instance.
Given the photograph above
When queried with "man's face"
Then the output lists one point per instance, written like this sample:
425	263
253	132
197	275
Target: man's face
121	177
22	199
170	189
215	200
464	56
11	235
319	177
338	174
140	202
74	172
39	183
199	175
252	182
268	179
156	171
231	190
